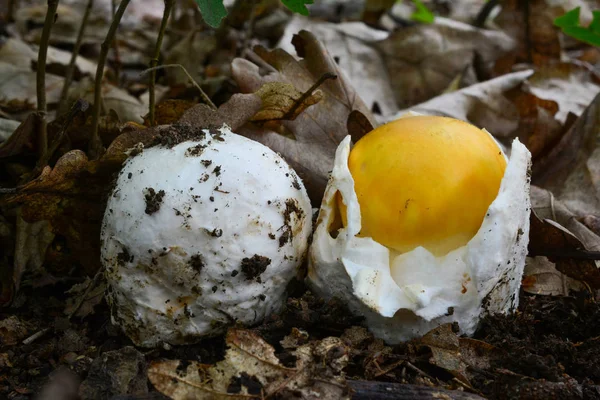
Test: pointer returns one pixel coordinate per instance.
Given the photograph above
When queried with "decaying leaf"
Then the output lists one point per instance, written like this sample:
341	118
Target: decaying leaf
571	169
71	196
424	59
530	24
18	90
84	297
251	370
482	104
320	128
283	101
13	330
542	278
557	234
352	46
31	244
456	354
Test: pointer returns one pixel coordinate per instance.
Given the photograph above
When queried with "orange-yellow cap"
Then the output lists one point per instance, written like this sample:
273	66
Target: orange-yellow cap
425	181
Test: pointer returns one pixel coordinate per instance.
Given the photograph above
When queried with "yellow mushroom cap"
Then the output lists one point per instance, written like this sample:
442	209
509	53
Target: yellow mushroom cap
425	181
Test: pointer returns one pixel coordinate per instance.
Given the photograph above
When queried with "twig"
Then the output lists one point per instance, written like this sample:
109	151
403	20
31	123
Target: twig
96	143
308	93
71	67
10	12
204	96
41	75
484	13
35	336
117	65
154	61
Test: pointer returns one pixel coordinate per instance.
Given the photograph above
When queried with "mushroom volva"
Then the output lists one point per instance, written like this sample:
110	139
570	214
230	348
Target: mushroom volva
424	221
201	234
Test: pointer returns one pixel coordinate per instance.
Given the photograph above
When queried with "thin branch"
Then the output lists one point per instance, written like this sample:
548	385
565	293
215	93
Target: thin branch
62	105
308	93
96	143
41	74
154	61
117	63
204	96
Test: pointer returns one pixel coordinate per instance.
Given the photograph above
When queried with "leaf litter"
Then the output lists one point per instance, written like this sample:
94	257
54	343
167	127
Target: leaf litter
305	86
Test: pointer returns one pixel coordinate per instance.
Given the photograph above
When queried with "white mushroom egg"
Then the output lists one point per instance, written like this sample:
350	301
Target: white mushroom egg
424	221
200	235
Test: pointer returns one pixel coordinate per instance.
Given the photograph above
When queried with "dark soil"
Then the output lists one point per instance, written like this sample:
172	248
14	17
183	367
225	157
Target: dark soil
549	349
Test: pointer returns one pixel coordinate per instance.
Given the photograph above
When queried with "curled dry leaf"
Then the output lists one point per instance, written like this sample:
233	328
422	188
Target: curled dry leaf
352	46
319	129
559	235
542	278
571	169
482	104
424	59
283	101
251	370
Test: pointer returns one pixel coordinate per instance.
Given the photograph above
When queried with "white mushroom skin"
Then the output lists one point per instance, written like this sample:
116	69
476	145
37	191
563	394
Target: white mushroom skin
403	296
201	235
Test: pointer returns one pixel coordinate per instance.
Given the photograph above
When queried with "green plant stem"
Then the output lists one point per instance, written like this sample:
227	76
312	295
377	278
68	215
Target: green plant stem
62	105
95	148
154	61
41	75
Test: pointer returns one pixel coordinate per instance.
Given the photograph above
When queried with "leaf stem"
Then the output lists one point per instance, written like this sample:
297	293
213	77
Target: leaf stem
71	68
154	61
95	148
204	96
41	75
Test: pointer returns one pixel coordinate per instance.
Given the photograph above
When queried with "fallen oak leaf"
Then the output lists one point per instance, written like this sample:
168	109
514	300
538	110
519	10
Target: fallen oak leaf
251	370
320	128
282	101
72	194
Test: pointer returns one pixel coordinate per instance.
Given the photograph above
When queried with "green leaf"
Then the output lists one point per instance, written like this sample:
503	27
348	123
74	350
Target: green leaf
583	34
595	25
298	6
569	24
571	18
423	14
213	11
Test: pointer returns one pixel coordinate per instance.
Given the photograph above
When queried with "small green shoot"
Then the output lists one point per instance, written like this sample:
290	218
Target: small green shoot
213	11
422	14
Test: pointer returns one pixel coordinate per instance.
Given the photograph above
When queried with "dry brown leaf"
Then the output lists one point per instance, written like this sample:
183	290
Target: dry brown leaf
542	278
169	111
571	85
424	59
455	354
31	244
18	89
483	104
352	46
251	370
571	169
71	196
559	235
23	138
283	101
79	306
530	25
319	129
